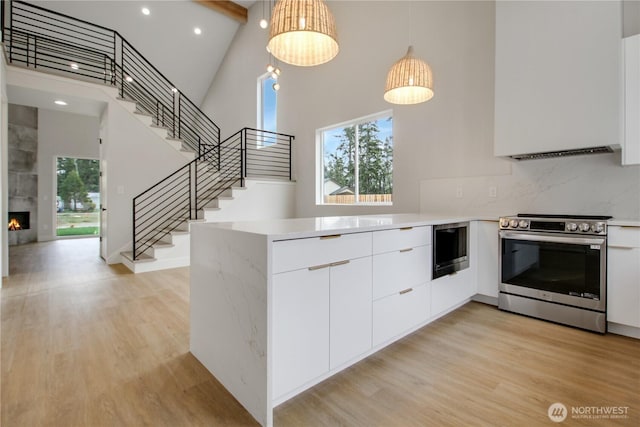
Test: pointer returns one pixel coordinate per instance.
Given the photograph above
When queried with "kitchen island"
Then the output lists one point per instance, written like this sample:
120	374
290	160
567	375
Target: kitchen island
278	306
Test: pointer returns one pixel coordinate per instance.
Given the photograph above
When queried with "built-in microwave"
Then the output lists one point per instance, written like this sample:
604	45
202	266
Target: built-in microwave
450	248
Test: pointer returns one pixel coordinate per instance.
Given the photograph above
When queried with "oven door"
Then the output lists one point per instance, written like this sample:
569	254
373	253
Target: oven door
564	269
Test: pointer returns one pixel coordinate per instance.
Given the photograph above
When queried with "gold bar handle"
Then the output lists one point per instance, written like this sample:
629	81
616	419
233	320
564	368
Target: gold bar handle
406	250
406	291
406	228
335	264
319	267
331	236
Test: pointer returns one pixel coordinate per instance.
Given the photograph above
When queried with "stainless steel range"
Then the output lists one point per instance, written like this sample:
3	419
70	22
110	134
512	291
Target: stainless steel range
554	267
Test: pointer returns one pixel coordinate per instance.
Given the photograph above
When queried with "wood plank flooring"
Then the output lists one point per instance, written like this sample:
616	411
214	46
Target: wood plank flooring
86	344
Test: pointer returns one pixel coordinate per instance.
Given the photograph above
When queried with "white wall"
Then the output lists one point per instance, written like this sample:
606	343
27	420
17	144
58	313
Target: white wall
443	137
443	140
136	159
60	135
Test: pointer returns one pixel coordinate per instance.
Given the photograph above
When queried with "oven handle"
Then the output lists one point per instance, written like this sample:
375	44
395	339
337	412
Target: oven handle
553	239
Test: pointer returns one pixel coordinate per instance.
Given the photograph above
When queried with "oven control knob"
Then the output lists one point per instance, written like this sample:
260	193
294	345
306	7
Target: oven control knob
504	222
597	227
513	223
584	227
572	226
523	223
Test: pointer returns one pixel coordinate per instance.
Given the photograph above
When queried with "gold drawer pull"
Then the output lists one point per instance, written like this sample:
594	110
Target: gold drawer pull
406	250
335	264
406	291
406	228
319	267
332	236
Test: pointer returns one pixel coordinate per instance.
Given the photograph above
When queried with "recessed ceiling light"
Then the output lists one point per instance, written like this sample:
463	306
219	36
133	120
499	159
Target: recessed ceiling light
197	30
74	66
129	79
145	11
59	102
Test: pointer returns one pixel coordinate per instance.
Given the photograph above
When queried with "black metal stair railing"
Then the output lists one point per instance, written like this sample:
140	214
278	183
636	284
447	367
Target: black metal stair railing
42	39
39	38
182	196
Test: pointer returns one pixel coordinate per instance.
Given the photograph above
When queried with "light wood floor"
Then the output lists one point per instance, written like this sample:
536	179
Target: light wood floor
85	344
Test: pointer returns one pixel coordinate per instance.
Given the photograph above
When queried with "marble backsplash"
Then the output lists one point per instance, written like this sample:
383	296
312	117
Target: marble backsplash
592	184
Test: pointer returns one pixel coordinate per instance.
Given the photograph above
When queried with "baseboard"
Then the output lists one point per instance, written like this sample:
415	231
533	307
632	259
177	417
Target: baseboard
485	299
627	331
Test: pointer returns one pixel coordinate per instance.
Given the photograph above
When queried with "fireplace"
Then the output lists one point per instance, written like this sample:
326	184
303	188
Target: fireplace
19	221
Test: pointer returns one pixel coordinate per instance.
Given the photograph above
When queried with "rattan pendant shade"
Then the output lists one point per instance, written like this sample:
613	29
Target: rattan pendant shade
302	32
410	81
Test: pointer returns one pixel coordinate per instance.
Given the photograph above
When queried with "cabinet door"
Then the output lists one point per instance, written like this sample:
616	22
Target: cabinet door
401	269
623	286
398	313
487	255
451	290
300	328
350	304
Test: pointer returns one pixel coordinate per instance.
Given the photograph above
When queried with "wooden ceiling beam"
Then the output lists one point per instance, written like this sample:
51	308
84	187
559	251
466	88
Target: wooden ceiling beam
227	8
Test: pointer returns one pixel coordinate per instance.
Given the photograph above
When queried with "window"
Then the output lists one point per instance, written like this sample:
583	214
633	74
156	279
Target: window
267	103
356	161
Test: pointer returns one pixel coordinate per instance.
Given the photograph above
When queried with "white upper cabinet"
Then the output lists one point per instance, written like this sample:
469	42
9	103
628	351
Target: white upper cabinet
631	147
558	76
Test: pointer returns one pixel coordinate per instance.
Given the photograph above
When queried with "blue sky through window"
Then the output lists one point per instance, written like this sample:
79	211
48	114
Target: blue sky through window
269	105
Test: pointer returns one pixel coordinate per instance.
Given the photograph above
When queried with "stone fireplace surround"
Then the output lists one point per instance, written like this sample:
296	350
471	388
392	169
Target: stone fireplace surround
23	169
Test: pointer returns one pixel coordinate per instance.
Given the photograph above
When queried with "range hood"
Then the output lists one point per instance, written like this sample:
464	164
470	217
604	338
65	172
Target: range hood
563	153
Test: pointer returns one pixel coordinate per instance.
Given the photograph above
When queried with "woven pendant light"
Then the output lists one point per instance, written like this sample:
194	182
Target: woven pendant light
410	81
302	32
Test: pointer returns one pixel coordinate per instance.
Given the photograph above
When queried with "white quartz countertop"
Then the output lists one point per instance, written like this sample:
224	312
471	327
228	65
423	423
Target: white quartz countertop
296	228
625	222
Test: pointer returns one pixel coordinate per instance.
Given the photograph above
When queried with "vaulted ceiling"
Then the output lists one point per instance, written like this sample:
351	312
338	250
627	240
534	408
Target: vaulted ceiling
166	36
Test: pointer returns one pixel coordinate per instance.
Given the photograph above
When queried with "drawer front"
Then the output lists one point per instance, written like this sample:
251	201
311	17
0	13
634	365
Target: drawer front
400	312
288	255
624	236
401	269
400	238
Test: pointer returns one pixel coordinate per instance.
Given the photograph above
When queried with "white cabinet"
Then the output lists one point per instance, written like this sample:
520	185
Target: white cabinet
294	254
449	291
300	328
350	310
557	76
401	272
487	253
623	276
322	311
400	238
400	312
401	269
631	147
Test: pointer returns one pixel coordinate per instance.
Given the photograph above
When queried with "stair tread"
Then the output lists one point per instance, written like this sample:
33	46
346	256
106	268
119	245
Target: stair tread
174	231
119	98
162	245
142	113
141	257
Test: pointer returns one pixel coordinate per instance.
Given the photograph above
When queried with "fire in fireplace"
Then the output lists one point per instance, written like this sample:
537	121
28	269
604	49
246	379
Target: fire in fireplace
18	221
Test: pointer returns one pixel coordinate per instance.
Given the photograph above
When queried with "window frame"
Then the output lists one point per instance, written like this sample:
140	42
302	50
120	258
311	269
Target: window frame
260	107
320	158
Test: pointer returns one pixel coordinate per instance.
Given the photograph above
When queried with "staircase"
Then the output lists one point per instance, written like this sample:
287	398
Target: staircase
43	40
